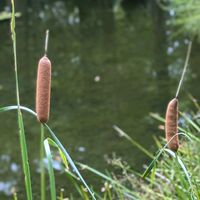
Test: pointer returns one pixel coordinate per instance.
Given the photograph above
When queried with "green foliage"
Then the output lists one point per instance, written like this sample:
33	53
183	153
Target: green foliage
169	176
66	158
186	16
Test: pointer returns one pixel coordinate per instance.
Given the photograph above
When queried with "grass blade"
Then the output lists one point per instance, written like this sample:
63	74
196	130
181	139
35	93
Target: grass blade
127	192
133	142
50	170
70	160
153	162
22	138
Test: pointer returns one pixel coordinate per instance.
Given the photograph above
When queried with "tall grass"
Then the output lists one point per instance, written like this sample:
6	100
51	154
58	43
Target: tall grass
23	145
169	176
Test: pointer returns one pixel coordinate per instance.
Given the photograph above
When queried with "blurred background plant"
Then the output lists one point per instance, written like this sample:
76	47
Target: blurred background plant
185	16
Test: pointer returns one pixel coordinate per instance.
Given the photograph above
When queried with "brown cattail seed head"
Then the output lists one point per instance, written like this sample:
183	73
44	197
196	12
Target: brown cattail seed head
43	89
171	124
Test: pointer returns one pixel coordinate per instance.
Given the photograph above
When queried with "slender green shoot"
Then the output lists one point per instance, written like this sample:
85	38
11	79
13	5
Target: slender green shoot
133	142
184	69
23	146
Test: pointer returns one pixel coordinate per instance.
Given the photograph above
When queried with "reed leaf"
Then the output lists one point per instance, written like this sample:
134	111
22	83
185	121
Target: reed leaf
22	138
50	170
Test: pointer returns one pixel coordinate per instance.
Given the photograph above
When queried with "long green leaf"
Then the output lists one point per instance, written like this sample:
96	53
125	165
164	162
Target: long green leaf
133	142
22	138
50	170
153	162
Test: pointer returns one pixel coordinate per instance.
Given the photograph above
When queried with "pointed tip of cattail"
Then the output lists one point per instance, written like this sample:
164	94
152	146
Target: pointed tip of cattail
43	89
171	125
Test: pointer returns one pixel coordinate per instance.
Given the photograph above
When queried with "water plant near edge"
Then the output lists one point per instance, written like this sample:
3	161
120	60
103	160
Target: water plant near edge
171	118
23	145
43	91
169	176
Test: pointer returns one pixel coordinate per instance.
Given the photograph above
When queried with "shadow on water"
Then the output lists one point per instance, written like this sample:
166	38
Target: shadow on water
111	66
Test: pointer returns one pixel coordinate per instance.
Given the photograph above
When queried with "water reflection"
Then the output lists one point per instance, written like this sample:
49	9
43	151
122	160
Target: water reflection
8	183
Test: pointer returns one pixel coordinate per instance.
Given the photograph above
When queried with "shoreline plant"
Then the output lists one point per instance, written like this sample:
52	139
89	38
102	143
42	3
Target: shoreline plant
45	142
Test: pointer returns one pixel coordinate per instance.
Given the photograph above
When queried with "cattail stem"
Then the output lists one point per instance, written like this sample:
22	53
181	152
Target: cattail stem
42	167
184	69
46	42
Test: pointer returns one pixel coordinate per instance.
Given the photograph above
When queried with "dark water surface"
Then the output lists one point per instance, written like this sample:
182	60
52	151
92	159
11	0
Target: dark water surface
112	65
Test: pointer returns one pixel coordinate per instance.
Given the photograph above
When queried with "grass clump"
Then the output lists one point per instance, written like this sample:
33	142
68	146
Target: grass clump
169	176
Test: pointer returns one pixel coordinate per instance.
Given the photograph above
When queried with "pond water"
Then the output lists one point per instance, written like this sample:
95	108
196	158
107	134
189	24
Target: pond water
113	64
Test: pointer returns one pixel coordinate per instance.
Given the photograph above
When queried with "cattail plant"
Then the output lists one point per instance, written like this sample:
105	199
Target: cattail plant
171	118
43	88
43	92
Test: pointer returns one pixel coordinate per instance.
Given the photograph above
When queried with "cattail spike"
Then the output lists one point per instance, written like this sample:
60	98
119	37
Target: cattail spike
43	88
171	125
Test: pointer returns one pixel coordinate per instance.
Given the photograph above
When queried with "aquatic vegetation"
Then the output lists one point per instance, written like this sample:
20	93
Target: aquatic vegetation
169	176
171	118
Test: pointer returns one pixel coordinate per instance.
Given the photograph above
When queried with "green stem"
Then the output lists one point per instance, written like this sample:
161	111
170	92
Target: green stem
42	168
22	138
184	68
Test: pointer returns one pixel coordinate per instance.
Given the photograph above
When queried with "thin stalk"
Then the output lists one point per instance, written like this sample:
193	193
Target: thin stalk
46	42
42	167
22	138
184	69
